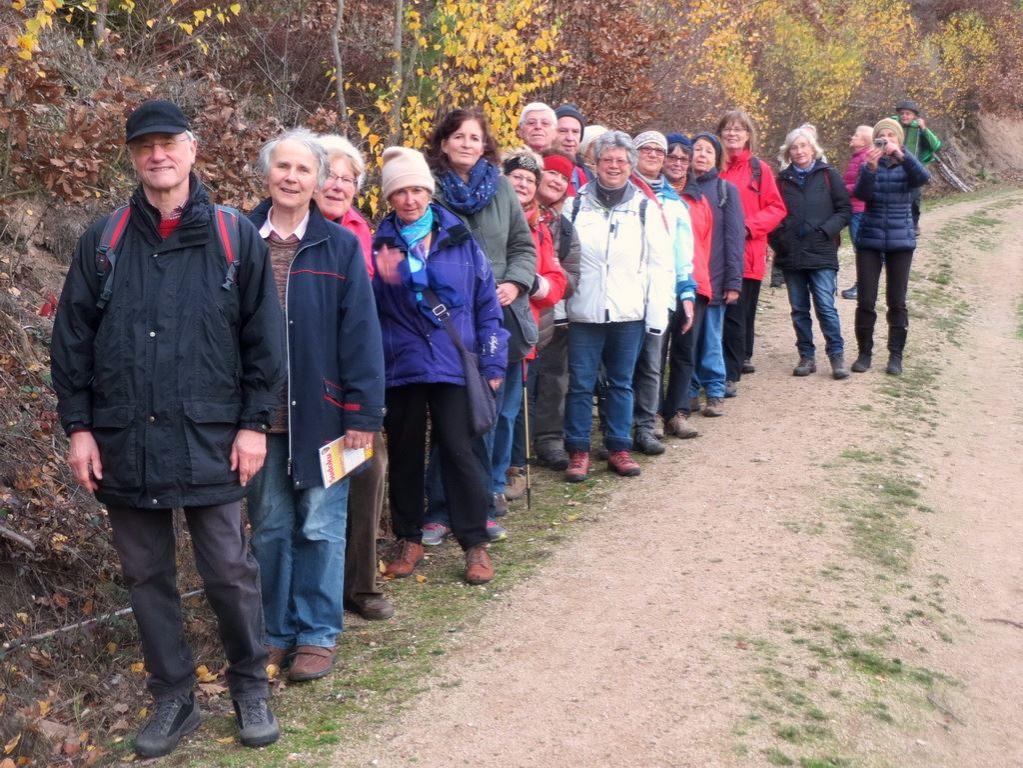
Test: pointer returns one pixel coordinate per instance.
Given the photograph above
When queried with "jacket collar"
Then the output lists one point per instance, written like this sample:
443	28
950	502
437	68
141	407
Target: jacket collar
194	216
317	227
739	161
449	231
590	191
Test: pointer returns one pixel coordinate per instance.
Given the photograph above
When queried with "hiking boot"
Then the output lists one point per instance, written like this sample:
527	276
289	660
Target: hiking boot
277	656
405	556
500	505
838	369
496	532
646	443
851	292
622	463
257	725
805	367
679	426
311	662
715	407
748	367
171	720
658	432
731	389
555	457
578	467
478	567
602	453
862	363
515	483
896	343
894	366
435	533
371	607
694	404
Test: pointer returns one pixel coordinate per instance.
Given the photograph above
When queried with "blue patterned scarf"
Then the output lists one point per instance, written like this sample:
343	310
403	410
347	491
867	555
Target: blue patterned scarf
473	197
414	235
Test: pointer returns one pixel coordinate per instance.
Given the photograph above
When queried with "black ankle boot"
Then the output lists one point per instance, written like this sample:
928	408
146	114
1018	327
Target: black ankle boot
896	343
865	344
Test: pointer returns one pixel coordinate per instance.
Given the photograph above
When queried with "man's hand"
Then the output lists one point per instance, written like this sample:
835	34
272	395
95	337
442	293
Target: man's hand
355	439
731	297
507	293
247	454
921	123
687	310
495	384
83	457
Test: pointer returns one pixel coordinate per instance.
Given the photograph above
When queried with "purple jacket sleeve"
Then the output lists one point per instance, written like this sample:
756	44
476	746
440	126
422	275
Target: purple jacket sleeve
735	239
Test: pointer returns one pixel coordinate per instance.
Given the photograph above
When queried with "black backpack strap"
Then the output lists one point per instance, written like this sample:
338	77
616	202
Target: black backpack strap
757	174
722	193
106	252
565	243
642	213
227	226
577	201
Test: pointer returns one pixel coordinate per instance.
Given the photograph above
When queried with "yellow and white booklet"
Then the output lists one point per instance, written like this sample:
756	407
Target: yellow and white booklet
336	461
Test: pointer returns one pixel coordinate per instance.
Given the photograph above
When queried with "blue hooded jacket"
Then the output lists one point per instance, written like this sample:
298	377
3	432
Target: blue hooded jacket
417	348
887	223
728	244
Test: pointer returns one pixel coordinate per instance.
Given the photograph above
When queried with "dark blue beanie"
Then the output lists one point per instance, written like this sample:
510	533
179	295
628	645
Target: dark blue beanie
680	138
713	140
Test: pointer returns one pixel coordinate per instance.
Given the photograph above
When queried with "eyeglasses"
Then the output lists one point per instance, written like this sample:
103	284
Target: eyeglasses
532	123
348	181
676	159
734	129
613	161
167	145
653	151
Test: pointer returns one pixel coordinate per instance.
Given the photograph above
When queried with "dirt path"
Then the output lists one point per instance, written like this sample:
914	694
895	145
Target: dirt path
756	598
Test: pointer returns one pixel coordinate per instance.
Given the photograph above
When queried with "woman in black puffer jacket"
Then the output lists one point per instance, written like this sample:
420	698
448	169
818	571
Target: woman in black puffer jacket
806	246
886	183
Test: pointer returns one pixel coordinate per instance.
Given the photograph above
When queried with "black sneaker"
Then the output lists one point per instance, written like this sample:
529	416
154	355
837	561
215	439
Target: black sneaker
850	292
171	720
646	443
257	725
748	367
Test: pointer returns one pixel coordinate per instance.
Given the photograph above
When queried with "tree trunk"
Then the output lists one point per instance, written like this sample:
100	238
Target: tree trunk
397	73
335	46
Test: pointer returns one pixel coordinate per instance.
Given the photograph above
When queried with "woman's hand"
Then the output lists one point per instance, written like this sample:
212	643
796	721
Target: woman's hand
495	384
387	261
687	310
731	297
873	156
507	293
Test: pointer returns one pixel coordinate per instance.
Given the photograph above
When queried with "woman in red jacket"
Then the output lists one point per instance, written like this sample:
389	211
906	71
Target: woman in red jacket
764	209
523	167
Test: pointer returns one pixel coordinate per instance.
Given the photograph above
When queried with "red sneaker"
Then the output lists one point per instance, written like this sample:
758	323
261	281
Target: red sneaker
578	466
623	463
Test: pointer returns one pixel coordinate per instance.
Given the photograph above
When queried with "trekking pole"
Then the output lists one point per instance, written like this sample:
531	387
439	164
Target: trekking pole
525	424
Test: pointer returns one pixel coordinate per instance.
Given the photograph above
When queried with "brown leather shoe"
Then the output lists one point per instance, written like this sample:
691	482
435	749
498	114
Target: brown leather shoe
279	657
310	663
515	487
478	567
578	466
679	426
405	556
372	607
715	407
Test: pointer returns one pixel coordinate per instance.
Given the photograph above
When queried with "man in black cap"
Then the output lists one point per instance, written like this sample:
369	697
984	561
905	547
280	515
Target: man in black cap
168	359
920	140
571	124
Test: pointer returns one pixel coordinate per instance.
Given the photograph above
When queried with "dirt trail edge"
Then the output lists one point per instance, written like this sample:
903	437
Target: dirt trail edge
828	576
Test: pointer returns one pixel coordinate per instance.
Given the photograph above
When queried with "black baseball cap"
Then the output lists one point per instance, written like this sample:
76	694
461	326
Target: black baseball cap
158	116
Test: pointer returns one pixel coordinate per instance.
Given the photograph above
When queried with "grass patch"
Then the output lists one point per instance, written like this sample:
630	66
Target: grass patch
383	665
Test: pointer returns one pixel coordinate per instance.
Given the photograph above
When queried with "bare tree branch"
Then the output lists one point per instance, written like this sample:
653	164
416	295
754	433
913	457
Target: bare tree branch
397	73
339	70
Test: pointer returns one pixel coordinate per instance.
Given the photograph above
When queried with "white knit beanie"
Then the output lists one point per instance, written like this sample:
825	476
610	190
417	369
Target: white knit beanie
651	137
404	167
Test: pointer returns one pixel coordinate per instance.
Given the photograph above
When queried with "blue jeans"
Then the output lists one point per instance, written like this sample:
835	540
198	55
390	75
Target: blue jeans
821	285
709	372
617	345
504	430
298	538
854	227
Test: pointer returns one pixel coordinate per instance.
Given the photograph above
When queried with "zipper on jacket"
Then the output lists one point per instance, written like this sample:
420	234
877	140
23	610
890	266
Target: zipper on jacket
287	343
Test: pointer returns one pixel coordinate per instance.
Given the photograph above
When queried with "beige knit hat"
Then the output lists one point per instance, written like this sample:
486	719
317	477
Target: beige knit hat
893	125
404	167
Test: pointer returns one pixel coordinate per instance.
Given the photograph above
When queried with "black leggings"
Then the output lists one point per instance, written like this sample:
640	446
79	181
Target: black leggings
868	274
461	473
740	319
682	358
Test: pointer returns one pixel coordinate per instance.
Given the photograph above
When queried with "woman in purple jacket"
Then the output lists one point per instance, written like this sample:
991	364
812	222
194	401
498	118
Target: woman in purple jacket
421	247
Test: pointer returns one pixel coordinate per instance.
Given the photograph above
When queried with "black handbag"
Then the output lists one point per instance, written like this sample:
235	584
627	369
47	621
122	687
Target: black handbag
521	326
482	403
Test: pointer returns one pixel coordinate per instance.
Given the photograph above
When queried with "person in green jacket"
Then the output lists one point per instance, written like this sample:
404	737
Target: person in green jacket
920	140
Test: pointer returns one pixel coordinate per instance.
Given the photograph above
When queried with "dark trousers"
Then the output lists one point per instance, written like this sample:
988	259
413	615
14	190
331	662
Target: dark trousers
145	543
682	358
896	266
550	372
740	319
917	193
365	504
466	488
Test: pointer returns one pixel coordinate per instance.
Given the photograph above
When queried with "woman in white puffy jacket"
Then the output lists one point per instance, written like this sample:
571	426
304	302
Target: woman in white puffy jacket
626	286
